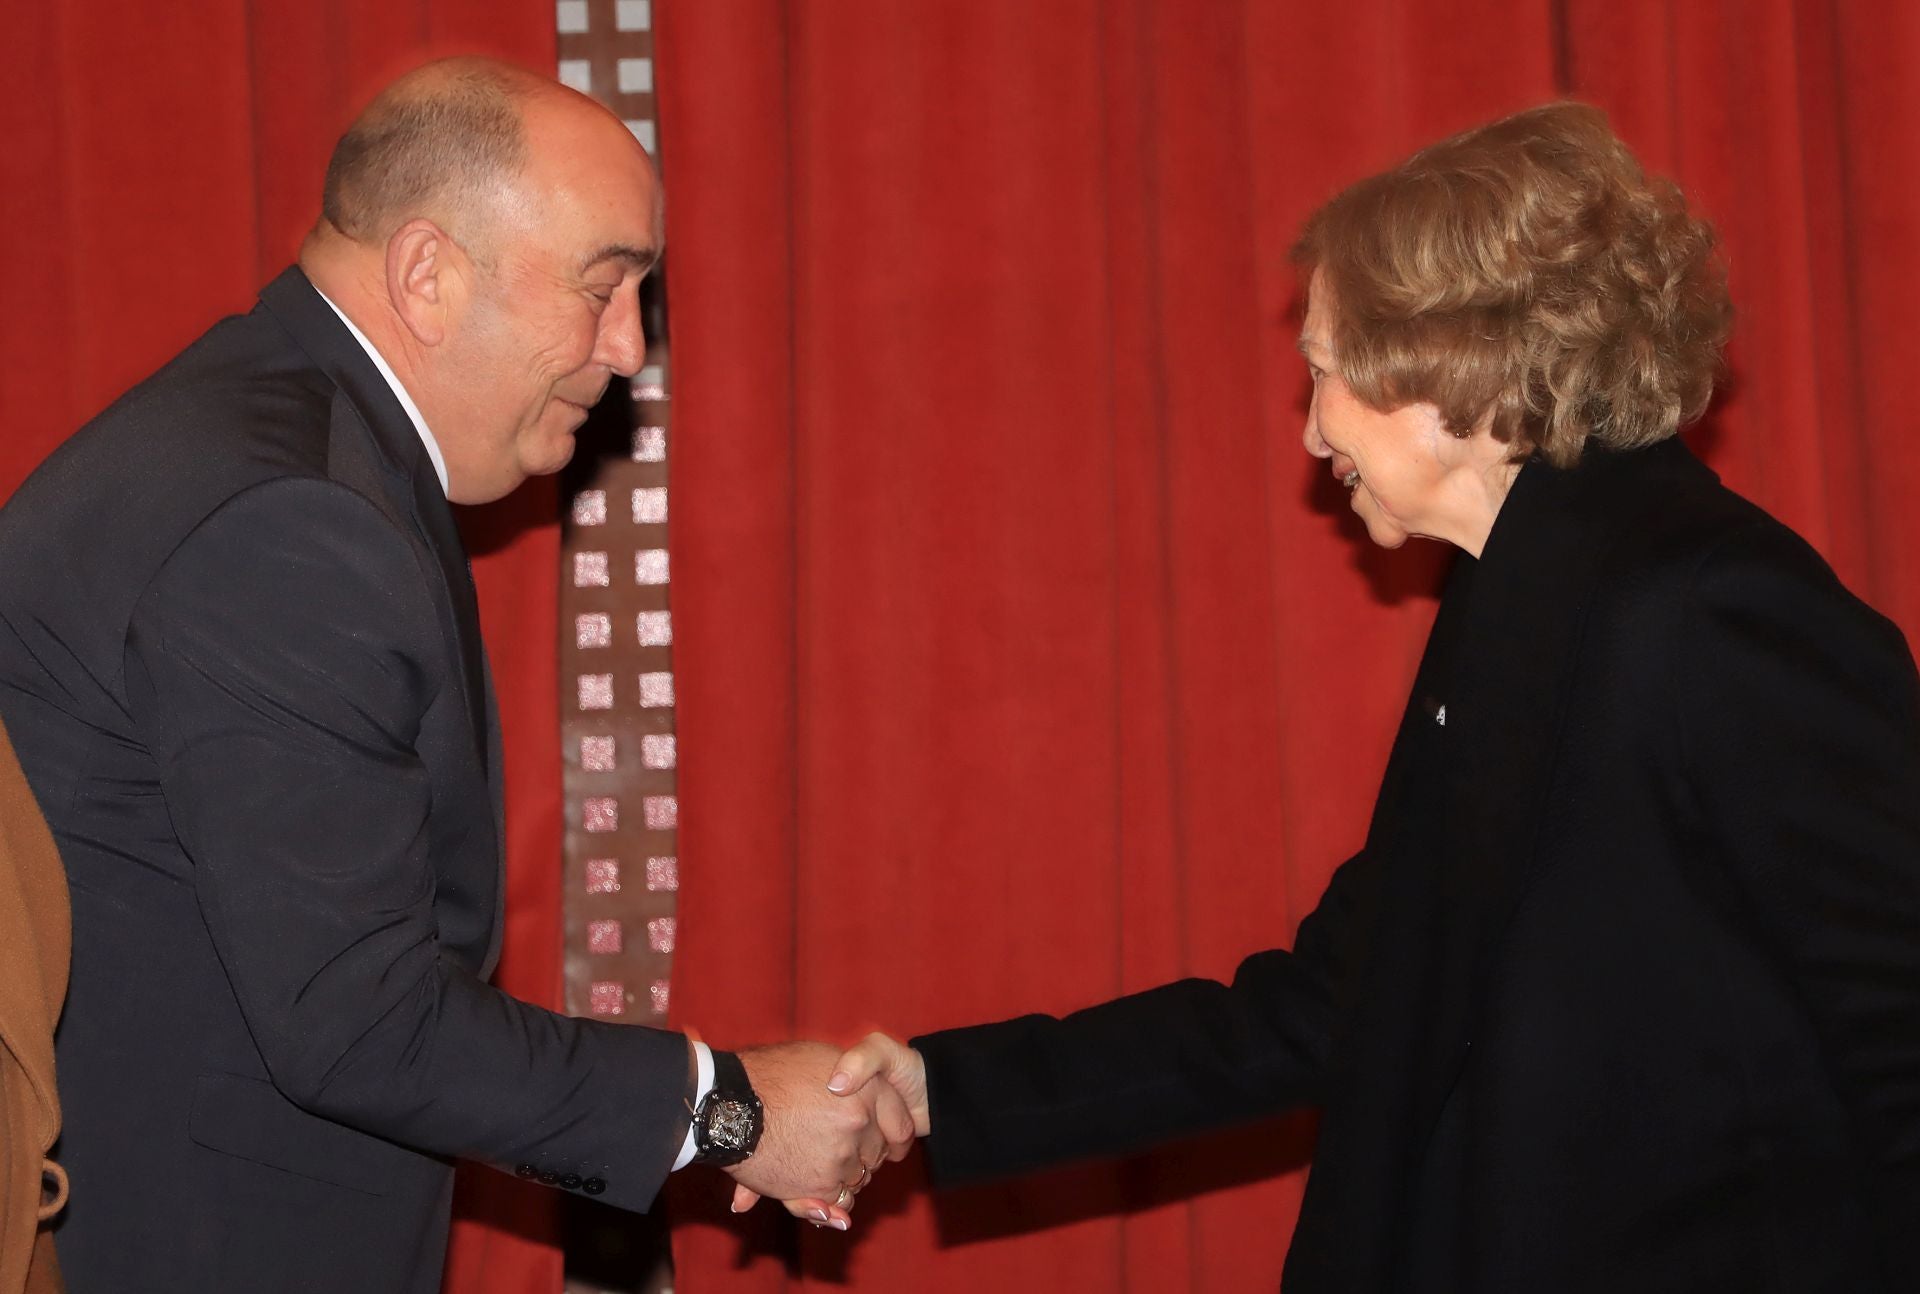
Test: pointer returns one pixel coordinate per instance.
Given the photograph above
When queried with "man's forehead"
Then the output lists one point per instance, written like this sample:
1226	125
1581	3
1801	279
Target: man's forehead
579	142
592	220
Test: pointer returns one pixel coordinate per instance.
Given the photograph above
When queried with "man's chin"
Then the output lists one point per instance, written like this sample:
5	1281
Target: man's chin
558	454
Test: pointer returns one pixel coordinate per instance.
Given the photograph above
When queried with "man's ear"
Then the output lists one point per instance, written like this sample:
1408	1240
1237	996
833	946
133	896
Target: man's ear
425	278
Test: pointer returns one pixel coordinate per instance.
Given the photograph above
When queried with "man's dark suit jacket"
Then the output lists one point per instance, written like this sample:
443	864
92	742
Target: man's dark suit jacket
240	659
1623	992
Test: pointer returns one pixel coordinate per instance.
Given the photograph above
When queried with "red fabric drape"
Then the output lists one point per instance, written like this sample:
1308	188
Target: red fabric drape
1024	657
160	164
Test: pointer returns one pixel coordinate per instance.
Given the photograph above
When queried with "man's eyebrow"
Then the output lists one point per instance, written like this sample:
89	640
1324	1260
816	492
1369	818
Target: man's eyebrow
1301	343
640	258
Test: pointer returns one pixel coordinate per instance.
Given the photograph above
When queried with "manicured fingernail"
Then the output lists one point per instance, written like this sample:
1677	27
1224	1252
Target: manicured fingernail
840	1081
839	1224
818	1215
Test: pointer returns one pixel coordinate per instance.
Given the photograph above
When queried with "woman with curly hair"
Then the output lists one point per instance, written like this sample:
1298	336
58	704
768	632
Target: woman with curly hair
1623	991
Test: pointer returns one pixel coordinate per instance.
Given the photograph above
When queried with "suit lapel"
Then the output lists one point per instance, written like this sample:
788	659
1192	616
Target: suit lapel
496	790
374	449
409	483
435	516
1515	656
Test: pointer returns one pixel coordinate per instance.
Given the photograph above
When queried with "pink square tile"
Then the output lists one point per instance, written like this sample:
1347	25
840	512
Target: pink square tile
660	934
656	628
604	937
590	508
656	690
597	754
662	812
649	506
600	813
663	873
657	750
596	691
658	990
593	630
590	571
649	444
607	997
650	566
603	875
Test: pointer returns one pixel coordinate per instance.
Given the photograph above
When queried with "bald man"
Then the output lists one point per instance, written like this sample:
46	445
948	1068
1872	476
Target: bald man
241	661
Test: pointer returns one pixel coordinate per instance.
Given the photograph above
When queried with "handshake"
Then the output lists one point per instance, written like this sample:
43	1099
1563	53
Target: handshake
829	1120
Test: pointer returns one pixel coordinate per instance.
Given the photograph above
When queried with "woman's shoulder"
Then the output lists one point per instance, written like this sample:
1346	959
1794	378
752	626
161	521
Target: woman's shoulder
1678	539
1669	509
1737	566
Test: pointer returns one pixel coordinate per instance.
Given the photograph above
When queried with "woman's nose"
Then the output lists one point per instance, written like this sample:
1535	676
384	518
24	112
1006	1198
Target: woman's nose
1310	434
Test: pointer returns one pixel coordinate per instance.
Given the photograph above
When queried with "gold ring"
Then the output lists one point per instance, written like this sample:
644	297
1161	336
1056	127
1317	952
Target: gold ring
844	1198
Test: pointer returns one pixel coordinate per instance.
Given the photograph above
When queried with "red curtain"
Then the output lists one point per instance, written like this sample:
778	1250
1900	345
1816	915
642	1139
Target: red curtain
1024	657
161	163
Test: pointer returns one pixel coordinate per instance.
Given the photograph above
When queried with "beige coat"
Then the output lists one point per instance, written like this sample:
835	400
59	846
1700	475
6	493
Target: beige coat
34	936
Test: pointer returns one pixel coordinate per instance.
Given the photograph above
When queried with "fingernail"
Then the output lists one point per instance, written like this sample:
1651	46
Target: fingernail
839	1082
818	1215
839	1224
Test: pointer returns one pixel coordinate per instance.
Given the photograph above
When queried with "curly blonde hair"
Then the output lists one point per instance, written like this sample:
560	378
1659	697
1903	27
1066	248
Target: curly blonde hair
1531	270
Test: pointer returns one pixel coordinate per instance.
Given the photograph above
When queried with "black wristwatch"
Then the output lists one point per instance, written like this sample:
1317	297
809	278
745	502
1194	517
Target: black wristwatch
726	1127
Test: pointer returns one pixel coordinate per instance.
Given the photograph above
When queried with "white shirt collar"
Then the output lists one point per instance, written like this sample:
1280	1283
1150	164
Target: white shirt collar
399	393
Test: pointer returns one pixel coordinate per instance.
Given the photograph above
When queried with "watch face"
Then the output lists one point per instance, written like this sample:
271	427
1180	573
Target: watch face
731	1126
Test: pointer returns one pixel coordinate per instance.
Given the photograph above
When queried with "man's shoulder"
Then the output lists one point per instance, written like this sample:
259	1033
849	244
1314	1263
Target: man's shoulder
241	408
243	400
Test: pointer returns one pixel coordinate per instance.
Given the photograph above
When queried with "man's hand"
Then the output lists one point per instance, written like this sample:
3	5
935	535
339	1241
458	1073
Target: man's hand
817	1148
902	1075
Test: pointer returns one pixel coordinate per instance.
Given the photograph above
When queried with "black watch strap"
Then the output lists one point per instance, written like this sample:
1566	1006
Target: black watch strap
726	1127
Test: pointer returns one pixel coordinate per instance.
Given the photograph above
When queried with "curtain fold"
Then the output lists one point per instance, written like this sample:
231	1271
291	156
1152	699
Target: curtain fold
162	163
1024	657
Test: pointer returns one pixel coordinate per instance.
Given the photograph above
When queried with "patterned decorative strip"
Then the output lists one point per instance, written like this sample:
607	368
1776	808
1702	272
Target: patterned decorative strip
622	872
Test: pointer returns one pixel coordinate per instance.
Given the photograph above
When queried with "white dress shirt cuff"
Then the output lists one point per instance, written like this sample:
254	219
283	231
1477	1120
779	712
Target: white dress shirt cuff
702	1084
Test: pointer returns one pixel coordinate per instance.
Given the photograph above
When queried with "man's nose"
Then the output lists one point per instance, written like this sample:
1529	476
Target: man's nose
623	336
